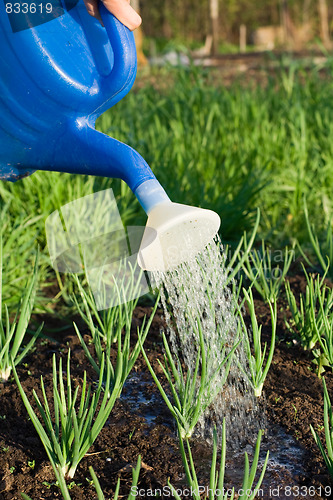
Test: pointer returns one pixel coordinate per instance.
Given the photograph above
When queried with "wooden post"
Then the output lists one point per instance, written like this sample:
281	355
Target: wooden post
285	20
214	16
242	38
324	27
138	35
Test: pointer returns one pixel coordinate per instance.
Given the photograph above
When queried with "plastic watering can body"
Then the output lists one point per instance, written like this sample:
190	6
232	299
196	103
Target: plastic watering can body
59	70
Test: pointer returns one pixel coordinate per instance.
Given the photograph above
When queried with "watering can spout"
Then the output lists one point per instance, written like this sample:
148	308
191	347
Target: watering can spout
91	152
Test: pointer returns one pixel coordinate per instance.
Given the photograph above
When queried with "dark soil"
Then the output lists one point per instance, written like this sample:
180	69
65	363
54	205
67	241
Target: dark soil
140	424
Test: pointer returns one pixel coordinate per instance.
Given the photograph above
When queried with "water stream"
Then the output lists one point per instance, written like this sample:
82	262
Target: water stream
199	294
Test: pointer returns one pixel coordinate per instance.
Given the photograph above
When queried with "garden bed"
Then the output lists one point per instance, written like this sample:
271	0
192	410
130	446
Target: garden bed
140	424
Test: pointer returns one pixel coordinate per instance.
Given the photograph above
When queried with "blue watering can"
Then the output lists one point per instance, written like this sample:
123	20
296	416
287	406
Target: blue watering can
60	70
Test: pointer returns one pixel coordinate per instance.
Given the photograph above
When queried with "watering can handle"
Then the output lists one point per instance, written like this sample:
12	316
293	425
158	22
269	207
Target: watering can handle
123	73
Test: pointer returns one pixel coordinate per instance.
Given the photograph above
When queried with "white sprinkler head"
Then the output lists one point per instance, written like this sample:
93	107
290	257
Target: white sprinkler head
174	234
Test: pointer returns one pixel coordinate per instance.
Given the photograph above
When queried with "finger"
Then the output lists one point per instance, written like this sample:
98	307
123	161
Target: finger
92	8
122	10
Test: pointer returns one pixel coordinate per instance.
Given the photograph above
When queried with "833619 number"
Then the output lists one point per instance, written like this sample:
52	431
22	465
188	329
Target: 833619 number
29	8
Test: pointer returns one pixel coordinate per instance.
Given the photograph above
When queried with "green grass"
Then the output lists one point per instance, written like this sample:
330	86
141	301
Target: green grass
18	254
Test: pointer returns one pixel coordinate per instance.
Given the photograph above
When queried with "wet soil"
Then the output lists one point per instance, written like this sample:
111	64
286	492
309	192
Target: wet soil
140	424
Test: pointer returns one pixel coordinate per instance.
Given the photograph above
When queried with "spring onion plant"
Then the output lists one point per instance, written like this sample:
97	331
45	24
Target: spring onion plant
240	256
68	436
135	478
194	391
216	490
100	495
259	363
324	330
328	425
12	332
107	323
258	267
112	323
310	318
324	249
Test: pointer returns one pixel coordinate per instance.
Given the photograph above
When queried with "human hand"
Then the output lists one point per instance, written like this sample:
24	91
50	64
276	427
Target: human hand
121	9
